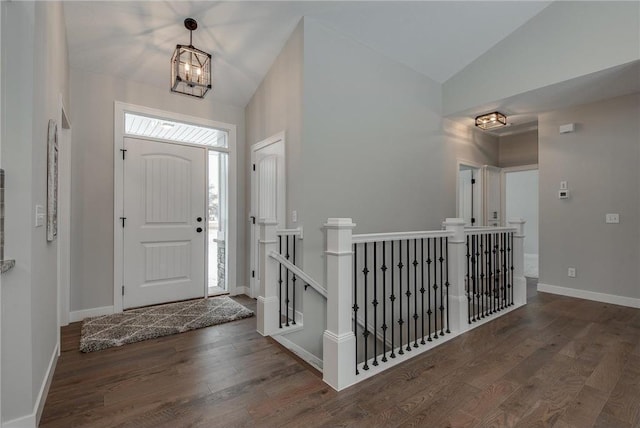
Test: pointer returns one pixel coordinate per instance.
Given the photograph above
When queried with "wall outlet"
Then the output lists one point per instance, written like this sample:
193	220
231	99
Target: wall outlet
571	272
612	218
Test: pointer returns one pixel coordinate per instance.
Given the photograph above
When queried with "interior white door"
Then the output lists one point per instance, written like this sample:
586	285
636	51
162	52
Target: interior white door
465	196
164	234
269	195
492	197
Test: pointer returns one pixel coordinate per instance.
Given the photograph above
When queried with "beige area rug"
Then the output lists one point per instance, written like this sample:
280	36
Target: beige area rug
136	325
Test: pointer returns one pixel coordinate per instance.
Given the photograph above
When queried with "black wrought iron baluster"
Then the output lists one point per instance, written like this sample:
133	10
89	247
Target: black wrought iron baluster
286	302
408	294
429	311
365	324
505	273
496	270
355	300
401	320
490	273
384	301
293	239
483	308
446	269
441	260
375	304
435	289
415	293
503	288
511	268
473	278
392	298
422	290
468	283
280	283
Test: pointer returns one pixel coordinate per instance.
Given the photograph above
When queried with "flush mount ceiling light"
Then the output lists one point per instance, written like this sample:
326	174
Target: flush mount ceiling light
190	67
491	120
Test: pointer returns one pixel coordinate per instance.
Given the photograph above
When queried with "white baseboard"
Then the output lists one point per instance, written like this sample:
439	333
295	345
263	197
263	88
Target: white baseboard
300	352
33	419
241	290
590	295
88	313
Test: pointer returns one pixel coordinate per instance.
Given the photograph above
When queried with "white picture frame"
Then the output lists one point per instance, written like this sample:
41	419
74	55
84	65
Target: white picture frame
52	181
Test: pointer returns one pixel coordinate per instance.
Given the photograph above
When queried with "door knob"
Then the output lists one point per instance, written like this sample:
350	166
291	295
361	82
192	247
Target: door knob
199	230
199	219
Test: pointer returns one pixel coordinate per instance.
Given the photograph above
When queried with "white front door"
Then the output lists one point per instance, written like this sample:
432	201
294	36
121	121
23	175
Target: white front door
269	194
164	234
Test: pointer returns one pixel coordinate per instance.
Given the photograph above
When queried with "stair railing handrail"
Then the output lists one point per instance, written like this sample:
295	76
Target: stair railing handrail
398	236
299	273
488	229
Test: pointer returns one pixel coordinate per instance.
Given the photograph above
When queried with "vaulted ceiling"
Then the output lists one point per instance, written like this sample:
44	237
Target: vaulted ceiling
135	40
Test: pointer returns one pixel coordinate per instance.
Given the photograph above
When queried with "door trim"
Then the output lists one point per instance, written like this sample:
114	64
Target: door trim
120	108
64	218
253	227
478	195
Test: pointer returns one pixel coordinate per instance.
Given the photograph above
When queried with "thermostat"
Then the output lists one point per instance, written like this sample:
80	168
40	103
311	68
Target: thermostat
563	194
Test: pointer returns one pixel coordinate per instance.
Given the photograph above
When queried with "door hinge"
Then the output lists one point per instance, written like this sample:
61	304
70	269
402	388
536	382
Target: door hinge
473	181
123	290
254	166
253	219
473	220
123	219
123	152
253	274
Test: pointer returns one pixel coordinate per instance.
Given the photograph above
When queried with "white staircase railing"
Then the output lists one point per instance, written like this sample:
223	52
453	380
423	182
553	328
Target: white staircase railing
442	284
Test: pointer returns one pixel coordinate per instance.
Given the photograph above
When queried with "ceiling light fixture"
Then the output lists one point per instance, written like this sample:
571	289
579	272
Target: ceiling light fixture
491	120
190	67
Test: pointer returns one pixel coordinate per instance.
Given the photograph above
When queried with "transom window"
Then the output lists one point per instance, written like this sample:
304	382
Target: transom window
145	126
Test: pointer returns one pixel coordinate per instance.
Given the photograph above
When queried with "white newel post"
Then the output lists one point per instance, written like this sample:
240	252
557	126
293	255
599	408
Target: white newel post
457	264
268	299
339	342
519	281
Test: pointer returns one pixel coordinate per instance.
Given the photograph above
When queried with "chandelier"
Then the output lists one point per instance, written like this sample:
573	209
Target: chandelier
190	67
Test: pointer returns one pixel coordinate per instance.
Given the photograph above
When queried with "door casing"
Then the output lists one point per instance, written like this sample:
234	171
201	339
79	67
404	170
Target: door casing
277	139
120	108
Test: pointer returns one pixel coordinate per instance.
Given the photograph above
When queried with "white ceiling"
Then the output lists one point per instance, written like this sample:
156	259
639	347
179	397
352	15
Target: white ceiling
134	40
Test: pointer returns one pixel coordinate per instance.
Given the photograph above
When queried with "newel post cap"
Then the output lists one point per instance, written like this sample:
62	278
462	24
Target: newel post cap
454	221
339	223
268	221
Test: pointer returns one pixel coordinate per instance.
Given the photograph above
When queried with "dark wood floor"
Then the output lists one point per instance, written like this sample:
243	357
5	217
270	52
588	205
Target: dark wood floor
558	362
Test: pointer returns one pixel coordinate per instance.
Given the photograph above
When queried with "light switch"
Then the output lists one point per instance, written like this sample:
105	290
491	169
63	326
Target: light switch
612	218
39	216
294	216
563	185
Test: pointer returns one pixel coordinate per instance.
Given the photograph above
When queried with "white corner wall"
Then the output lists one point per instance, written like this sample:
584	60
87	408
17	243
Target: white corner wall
567	39
93	96
34	52
600	163
374	148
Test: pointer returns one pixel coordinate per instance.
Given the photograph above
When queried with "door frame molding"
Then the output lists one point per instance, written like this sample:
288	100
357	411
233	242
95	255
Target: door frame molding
253	227
479	193
64	217
120	108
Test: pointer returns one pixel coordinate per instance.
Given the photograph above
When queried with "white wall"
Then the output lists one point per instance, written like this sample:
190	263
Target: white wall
521	200
518	149
35	74
277	106
600	163
374	148
93	97
566	40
